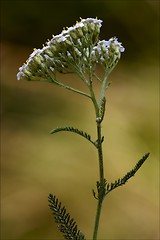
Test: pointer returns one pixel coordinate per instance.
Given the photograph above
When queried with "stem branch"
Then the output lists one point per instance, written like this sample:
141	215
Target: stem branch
71	89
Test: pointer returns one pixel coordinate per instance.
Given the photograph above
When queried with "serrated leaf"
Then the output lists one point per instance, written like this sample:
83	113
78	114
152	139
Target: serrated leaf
126	177
73	130
65	223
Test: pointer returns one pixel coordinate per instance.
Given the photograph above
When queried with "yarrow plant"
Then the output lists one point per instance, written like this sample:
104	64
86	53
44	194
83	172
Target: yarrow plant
78	50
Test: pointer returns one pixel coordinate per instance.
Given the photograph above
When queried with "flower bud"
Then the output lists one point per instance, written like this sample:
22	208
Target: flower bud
69	56
77	52
48	52
73	34
27	72
24	73
91	26
49	61
85	28
38	59
53	48
79	32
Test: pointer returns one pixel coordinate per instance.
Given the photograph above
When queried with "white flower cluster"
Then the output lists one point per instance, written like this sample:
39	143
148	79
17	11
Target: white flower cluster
107	52
74	50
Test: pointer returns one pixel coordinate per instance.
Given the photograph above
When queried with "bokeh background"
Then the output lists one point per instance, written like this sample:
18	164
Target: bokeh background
35	163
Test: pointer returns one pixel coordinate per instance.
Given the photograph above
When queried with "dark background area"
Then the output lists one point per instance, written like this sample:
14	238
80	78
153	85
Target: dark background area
35	163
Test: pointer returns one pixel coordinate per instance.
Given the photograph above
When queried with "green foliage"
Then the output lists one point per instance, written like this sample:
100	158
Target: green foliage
74	130
65	223
101	189
121	181
108	187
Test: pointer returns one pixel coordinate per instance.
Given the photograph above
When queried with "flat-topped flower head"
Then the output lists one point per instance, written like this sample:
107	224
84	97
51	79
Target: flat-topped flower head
75	49
62	52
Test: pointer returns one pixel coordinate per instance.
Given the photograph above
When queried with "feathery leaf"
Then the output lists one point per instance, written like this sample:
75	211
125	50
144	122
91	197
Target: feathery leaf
65	223
121	181
74	130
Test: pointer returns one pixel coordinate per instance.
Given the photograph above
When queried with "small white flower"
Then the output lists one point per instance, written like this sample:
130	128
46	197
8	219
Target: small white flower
61	39
19	75
94	20
36	51
68	30
80	24
114	40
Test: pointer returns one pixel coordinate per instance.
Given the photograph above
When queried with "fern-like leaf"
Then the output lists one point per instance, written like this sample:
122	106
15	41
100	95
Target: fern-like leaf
74	130
130	174
65	223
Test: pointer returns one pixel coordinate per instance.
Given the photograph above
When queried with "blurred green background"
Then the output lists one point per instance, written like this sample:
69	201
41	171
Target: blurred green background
35	163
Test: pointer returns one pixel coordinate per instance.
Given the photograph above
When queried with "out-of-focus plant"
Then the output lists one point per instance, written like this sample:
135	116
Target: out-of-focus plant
78	50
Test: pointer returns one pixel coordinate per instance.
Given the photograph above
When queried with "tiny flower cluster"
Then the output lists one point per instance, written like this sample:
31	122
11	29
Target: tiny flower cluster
107	53
74	50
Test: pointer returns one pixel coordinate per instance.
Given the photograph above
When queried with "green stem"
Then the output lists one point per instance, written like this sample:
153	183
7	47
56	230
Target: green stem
100	153
71	89
101	189
96	226
101	192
